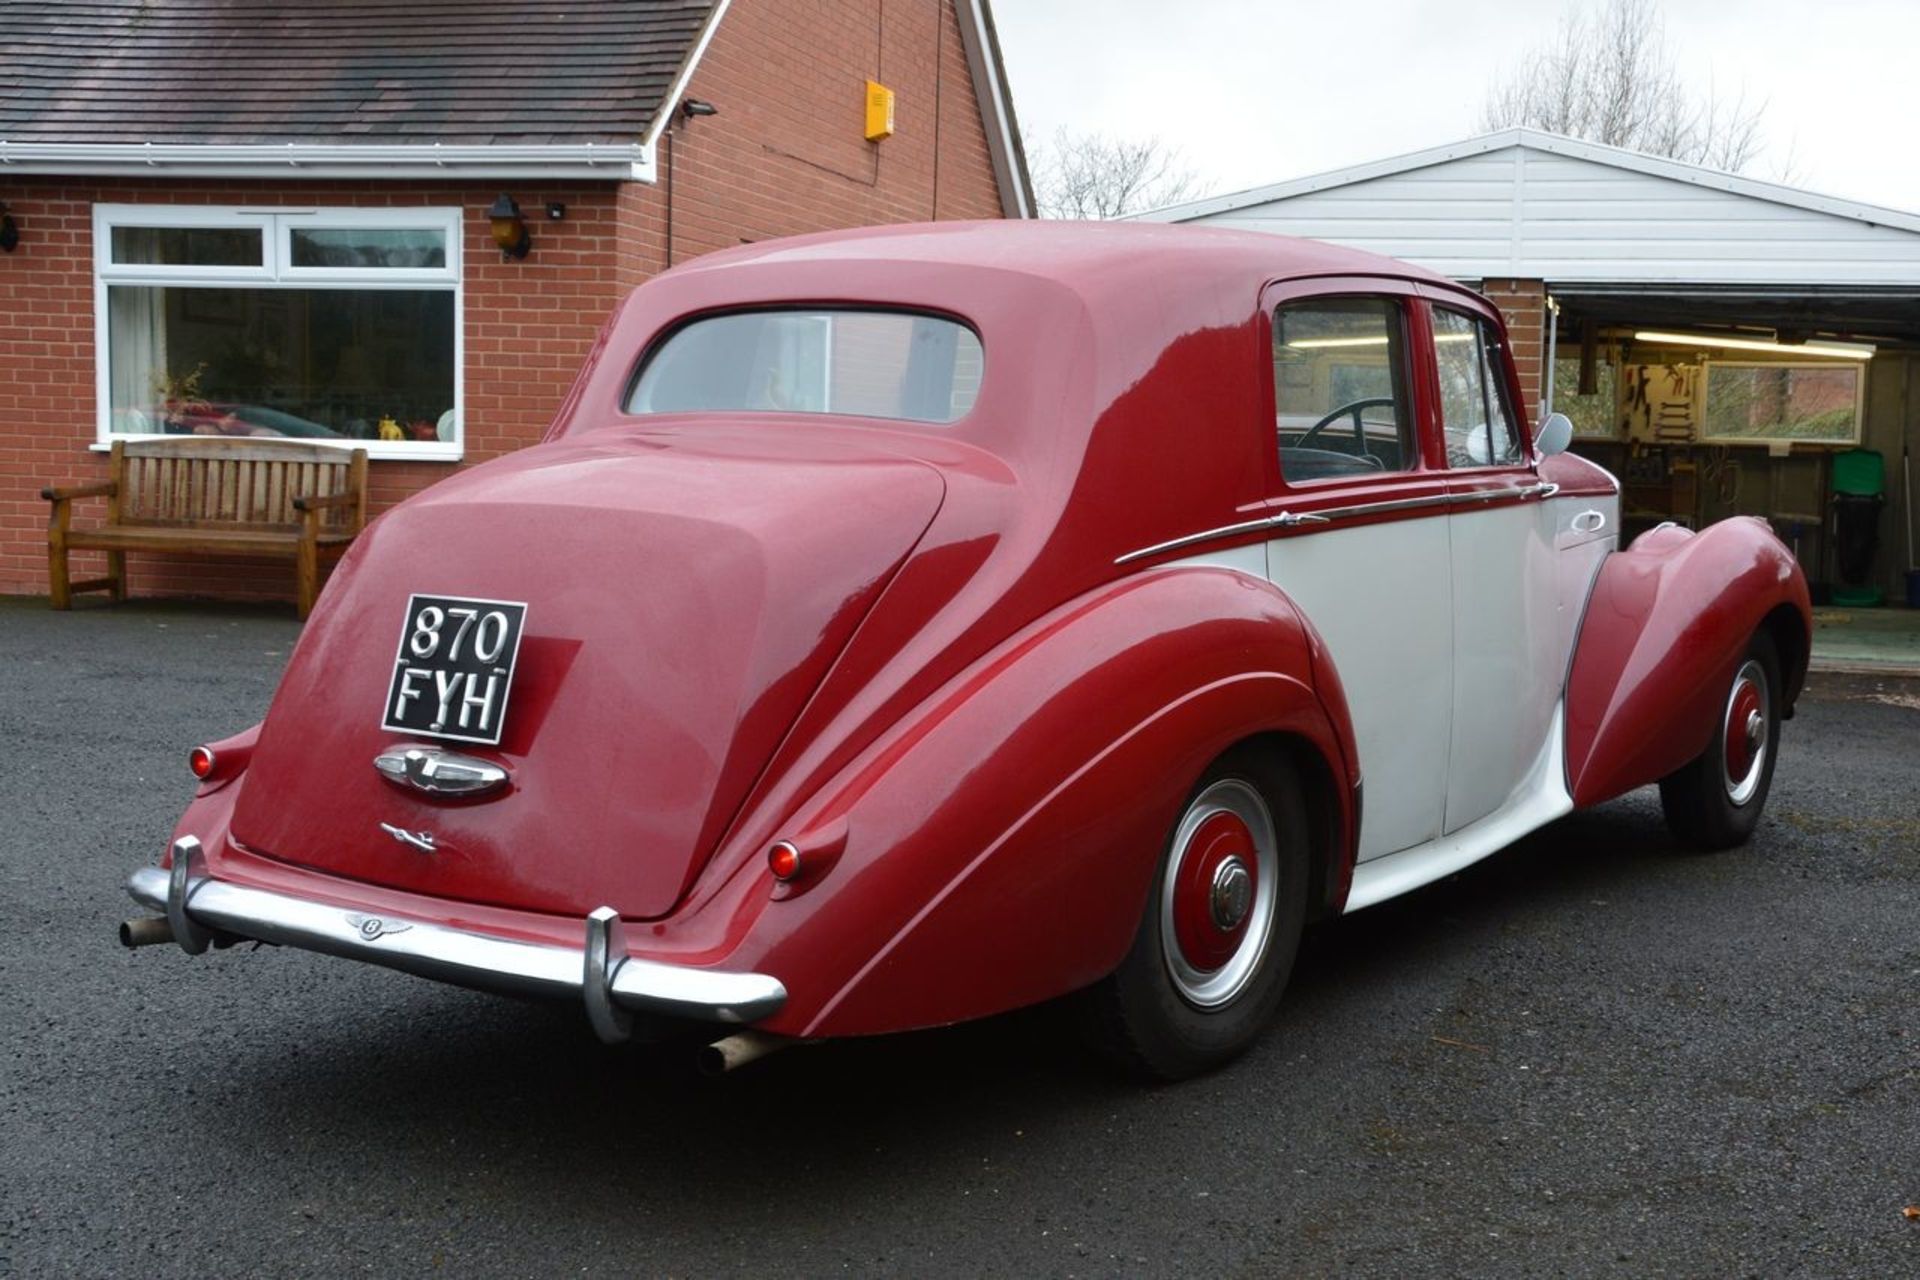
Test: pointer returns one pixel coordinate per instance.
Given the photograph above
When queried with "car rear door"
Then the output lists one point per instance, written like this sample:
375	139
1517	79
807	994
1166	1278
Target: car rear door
1364	548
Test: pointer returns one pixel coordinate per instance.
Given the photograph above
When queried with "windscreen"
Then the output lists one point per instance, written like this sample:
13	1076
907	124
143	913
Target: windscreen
876	364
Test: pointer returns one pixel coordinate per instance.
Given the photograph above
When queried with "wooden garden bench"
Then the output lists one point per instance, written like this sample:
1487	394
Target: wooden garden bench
213	496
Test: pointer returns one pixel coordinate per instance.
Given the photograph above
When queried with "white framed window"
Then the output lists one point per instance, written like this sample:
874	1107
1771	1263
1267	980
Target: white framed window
1777	402
338	326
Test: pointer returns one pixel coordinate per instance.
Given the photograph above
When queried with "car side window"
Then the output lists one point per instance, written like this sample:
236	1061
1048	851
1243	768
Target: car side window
1479	424
1340	388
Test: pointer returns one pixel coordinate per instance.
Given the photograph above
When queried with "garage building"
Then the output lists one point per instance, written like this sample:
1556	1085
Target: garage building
1722	344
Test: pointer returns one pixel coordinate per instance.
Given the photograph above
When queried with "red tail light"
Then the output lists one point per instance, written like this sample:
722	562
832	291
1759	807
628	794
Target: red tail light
219	762
784	861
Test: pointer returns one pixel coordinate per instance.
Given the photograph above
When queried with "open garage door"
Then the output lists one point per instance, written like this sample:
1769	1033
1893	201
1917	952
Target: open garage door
1790	403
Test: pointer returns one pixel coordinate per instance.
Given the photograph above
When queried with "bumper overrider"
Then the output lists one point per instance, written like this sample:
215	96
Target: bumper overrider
614	986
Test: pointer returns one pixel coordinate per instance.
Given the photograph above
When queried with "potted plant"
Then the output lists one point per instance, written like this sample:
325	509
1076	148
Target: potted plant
180	399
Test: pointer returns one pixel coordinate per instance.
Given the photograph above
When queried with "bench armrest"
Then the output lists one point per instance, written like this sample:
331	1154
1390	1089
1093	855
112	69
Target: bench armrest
329	500
103	489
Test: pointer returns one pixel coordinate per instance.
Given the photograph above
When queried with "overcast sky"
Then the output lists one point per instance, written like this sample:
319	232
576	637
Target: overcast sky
1257	91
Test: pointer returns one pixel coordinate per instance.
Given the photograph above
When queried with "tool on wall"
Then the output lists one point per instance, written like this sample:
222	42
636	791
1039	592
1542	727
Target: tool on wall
1660	403
1721	471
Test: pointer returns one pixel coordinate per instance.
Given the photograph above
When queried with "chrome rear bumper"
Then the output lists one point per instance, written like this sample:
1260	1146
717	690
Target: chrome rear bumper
612	984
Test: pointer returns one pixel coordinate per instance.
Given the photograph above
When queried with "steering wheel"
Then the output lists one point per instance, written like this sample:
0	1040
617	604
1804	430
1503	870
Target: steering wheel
1355	408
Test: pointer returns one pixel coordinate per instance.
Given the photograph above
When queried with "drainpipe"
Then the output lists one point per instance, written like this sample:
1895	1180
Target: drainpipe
1553	343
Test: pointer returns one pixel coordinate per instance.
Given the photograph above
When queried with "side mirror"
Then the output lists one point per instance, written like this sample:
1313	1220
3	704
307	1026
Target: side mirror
1555	434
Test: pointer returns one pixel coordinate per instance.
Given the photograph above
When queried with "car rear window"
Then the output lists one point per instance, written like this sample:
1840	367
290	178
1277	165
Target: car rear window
875	364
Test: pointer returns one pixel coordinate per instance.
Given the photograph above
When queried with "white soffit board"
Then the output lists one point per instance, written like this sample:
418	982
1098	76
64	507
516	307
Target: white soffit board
1536	206
298	160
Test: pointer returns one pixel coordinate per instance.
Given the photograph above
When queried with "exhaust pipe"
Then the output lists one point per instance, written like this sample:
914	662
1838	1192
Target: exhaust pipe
737	1050
147	931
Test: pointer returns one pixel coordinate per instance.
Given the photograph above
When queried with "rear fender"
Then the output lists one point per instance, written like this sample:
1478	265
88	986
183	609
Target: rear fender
996	848
1666	624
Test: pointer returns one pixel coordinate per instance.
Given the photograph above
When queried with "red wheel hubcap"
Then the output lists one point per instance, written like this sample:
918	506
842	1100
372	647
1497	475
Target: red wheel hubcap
1215	891
1740	741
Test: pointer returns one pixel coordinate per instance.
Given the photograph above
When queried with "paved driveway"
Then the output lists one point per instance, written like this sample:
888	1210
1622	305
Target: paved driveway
1590	1055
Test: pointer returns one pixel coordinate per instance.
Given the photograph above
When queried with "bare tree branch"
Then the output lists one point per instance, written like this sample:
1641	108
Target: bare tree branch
1092	175
1609	77
1787	170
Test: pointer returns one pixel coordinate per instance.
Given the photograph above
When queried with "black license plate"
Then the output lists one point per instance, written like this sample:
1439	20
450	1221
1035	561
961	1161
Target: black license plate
454	668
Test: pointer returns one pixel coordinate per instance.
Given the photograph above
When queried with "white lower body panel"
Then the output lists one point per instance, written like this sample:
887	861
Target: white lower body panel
1381	596
1540	798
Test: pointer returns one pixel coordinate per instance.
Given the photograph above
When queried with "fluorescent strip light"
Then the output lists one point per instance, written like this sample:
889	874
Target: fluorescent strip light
1316	344
1830	350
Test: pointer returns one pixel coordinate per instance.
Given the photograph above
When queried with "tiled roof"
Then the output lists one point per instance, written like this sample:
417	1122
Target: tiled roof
339	71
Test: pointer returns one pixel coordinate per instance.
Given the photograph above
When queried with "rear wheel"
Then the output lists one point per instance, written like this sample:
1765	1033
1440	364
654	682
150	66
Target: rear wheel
1714	802
1222	923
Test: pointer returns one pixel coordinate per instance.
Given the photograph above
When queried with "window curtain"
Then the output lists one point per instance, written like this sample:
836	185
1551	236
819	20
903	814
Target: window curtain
137	343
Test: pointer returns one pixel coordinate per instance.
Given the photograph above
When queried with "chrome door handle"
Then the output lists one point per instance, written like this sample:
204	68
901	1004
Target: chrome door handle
1288	519
1545	489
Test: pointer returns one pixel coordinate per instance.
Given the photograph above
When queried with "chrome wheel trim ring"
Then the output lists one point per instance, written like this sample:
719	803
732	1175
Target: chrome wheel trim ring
1215	988
1751	678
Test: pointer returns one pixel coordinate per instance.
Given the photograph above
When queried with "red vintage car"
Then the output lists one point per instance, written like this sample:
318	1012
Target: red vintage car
911	624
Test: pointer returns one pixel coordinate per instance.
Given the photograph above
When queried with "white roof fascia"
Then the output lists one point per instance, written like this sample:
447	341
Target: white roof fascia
677	91
589	160
996	107
1715	179
1617	157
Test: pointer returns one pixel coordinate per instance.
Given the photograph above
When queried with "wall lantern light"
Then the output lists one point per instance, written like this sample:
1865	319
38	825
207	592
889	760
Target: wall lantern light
509	230
691	107
9	230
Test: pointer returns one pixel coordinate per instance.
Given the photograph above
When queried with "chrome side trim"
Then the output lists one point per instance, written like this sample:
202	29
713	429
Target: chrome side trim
1283	520
1327	515
439	772
1194	539
1543	490
1395	504
456	955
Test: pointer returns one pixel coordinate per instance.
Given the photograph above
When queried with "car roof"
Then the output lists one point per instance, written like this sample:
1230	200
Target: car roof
1124	358
1102	333
1086	257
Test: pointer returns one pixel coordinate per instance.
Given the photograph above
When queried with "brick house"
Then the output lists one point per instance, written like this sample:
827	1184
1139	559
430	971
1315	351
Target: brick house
275	219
